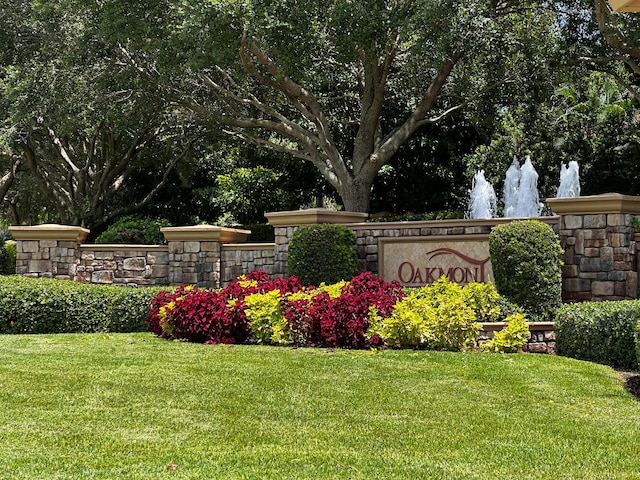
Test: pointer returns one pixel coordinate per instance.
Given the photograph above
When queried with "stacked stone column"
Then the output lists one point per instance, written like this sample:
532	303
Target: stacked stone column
286	223
195	253
48	251
597	235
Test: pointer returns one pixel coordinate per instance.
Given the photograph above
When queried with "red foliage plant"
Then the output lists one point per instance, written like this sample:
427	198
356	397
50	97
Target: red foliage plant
345	320
218	316
211	316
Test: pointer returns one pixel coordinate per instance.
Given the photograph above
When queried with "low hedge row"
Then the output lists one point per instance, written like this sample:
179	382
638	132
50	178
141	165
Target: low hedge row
602	332
54	306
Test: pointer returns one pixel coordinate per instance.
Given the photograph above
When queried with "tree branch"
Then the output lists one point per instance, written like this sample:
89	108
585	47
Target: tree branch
397	137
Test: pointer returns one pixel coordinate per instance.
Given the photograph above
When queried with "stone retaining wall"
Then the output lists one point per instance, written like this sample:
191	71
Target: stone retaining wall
128	265
542	338
370	236
597	233
242	258
202	255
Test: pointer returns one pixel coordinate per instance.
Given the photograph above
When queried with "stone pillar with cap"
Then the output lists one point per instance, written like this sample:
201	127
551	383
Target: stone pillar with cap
195	253
286	223
49	251
600	254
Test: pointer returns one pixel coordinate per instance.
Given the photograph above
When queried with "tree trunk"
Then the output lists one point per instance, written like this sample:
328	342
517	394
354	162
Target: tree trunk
356	194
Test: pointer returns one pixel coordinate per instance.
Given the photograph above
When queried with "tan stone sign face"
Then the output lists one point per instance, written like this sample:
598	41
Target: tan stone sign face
417	261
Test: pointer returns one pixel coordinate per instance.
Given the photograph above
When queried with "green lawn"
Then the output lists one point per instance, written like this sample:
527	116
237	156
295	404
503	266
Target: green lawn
127	406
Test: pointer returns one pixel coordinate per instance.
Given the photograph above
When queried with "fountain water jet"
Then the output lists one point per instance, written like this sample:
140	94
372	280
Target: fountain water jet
569	180
520	192
482	202
528	204
510	191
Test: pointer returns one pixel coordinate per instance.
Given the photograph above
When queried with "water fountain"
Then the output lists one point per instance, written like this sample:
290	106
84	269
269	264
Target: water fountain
483	198
569	180
528	204
520	192
510	191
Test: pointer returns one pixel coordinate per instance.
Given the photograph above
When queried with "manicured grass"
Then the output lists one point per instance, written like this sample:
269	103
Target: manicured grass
126	406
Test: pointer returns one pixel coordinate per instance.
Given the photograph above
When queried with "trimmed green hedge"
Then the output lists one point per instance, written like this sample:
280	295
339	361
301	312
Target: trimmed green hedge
638	342
134	230
602	332
260	232
323	253
56	306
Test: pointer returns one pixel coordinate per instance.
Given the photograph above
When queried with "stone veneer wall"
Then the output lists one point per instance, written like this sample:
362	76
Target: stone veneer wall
242	258
542	338
600	259
123	264
368	235
598	234
202	255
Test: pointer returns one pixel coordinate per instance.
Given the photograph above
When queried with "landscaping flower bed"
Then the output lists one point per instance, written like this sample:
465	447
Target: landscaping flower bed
362	313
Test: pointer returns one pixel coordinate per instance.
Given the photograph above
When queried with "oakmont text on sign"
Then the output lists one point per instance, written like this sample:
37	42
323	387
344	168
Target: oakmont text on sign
415	262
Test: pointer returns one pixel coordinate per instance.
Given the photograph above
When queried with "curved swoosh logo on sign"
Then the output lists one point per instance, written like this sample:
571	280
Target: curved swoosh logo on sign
444	251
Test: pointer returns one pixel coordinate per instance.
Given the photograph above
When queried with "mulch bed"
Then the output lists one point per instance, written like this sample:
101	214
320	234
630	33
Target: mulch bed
631	382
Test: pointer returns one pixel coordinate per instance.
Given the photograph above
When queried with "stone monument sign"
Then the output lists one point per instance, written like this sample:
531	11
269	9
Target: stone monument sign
417	261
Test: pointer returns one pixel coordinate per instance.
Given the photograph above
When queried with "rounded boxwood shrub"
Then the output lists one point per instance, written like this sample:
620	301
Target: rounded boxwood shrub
323	253
526	257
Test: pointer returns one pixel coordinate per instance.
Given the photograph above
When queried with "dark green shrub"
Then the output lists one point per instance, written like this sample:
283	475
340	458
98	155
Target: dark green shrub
526	257
600	332
323	253
56	306
8	259
260	232
134	230
416	217
638	343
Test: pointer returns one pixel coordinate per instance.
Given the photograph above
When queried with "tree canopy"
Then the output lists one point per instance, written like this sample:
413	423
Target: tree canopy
78	118
94	95
341	84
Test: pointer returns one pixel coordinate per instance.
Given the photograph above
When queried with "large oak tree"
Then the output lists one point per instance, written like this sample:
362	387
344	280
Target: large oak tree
315	80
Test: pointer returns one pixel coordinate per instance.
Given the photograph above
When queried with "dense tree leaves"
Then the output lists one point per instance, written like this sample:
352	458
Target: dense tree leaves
79	118
599	39
315	80
593	121
95	95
